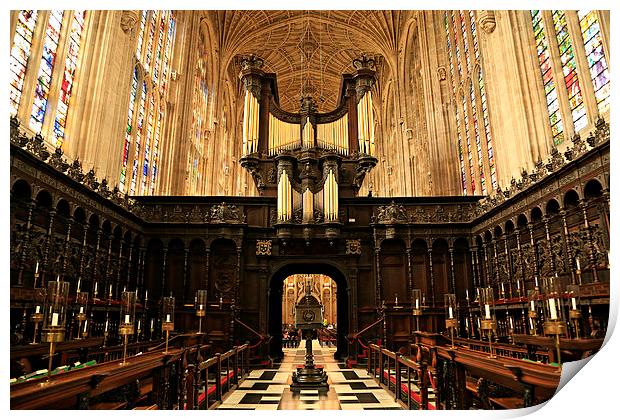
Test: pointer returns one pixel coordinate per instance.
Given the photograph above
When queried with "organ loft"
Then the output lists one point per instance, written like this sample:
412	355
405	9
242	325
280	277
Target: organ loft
306	209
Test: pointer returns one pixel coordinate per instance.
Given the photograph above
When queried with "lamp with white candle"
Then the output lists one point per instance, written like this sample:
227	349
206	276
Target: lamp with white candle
532	312
81	301
488	322
451	321
200	303
127	318
36	275
55	315
416	297
574	311
553	310
40	295
167	324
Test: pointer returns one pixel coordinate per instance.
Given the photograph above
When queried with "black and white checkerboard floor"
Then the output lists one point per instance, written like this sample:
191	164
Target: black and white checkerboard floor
349	389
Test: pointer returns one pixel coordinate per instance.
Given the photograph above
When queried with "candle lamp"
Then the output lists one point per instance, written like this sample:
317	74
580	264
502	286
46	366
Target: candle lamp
554	315
578	270
574	311
451	321
36	275
532	312
488	322
128	317
55	317
81	301
167	323
37	316
416	297
201	307
510	324
396	305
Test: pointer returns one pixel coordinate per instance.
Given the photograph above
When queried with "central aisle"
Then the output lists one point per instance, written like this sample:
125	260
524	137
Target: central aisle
349	389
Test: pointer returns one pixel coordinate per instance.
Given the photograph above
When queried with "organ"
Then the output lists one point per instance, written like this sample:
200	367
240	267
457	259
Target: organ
308	159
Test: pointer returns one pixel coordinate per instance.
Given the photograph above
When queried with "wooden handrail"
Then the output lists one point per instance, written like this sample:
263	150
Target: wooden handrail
247	327
220	363
68	389
358	334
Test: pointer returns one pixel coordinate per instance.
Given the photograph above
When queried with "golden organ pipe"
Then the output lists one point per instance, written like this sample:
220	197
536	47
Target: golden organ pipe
252	119
245	122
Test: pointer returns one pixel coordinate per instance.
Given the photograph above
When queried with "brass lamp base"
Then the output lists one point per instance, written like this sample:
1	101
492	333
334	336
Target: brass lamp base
488	324
451	323
554	328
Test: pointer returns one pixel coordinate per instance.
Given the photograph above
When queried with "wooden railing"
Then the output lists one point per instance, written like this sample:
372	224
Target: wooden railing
469	378
354	340
508	350
408	379
148	378
207	381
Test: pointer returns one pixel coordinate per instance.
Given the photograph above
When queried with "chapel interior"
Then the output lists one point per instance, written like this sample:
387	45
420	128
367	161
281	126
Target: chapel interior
306	209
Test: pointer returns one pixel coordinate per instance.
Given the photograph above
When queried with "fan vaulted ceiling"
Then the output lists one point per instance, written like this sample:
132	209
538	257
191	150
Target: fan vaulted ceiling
309	49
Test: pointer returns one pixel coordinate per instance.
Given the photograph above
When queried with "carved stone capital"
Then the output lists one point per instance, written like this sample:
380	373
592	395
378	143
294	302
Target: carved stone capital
129	19
486	20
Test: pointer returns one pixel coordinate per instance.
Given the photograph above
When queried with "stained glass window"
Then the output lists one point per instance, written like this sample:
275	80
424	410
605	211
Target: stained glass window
470	158
140	126
456	110
483	102
446	26
168	52
128	131
457	49
465	42
20	53
160	117
153	53
42	89
569	68
460	146
149	45
66	87
150	128
593	43
474	118
141	35
546	71
161	34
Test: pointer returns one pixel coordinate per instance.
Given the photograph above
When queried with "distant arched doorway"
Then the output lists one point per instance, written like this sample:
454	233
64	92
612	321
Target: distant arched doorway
276	287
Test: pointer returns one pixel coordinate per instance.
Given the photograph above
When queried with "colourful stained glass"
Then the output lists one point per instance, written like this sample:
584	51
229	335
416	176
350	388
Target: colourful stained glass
147	144
457	50
161	34
460	147
569	69
483	103
449	44
149	44
449	49
474	118
465	42
593	43
139	132
470	158
544	60
44	78
167	52
141	36
66	87
128	131
154	52
160	117
20	53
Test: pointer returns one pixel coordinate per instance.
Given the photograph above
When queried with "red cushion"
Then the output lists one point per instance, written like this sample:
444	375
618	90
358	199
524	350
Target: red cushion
405	389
